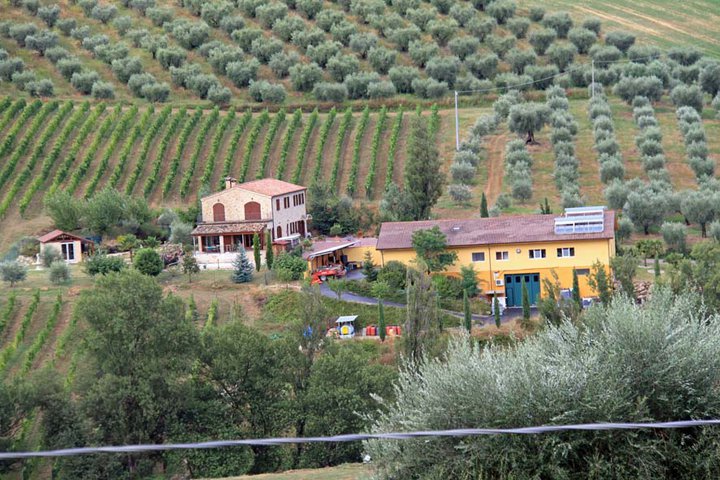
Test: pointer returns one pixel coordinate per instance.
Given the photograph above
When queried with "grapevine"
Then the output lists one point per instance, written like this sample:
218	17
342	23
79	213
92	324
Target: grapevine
370	180
394	136
42	337
127	146
285	149
145	148
199	143
324	133
217	142
230	155
260	122
304	140
344	125
150	181
355	166
267	144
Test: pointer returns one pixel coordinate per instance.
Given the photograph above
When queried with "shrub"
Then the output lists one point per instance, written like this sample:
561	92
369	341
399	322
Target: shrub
100	264
542	39
267	92
420	52
104	13
309	7
537	13
330	92
83	81
357	83
49	14
155	92
41	88
382	89
459	193
501	10
323	52
148	262
430	88
305	76
289	267
136	82
381	59
463	47
20	31
621	39
442	30
582	38
66	25
242	73
690	96
560	22
443	69
675	235
231	23
327	18
341	66
59	273
281	62
518	26
102	90
12	272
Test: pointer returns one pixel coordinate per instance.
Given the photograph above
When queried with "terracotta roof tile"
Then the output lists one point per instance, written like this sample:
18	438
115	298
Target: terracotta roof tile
509	229
48	237
270	187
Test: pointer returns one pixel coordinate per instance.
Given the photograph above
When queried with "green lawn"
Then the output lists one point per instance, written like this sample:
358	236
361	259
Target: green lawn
665	23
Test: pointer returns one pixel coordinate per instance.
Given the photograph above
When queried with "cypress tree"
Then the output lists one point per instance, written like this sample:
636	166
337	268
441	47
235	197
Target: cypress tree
467	314
242	268
657	268
496	311
525	300
576	290
381	320
269	254
483	207
424	180
256	250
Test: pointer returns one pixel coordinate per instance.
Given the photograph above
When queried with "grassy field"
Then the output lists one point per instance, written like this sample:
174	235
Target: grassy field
665	23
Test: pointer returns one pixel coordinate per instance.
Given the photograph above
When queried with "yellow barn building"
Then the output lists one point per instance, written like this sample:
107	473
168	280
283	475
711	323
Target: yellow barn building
505	250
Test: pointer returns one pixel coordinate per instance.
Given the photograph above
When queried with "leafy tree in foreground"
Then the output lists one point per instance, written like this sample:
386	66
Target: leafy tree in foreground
599	282
431	247
623	347
256	251
496	311
190	265
624	269
269	253
421	315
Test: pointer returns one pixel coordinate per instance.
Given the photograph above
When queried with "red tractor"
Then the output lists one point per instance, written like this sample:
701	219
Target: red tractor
328	271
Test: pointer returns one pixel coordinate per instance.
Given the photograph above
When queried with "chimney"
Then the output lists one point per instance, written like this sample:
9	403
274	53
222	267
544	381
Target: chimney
230	182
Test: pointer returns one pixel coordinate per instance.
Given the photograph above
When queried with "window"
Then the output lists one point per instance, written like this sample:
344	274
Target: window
218	212
501	256
277	204
68	251
286	201
478	256
583	272
566	252
537	253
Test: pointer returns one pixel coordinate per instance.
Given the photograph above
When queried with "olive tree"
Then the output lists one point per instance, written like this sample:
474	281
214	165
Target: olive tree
621	39
528	118
684	95
305	76
558	21
582	38
501	10
542	39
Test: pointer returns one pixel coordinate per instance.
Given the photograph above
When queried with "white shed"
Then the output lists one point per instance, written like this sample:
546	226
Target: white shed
68	245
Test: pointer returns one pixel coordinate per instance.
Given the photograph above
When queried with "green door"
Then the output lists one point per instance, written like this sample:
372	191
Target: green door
513	288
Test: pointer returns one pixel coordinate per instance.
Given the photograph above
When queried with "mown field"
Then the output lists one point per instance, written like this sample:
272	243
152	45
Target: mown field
664	23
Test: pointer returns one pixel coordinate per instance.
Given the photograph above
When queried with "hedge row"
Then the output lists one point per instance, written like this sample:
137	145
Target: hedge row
287	142
649	140
342	132
79	142
696	148
147	141
117	135
355	165
126	150
606	145
180	150
215	149
562	136
152	179
109	124
232	148
200	139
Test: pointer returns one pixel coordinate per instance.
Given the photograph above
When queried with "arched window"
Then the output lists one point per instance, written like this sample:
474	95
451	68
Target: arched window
252	211
218	212
279	232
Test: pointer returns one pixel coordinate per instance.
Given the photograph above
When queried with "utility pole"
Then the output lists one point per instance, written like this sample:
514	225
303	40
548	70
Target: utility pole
457	124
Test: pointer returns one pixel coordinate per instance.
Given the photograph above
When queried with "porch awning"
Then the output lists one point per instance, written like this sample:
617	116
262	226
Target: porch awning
325	251
228	228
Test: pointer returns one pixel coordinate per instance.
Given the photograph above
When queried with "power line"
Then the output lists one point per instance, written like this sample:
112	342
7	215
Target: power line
464	432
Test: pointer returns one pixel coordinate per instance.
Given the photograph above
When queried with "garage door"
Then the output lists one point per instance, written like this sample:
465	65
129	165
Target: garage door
513	288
